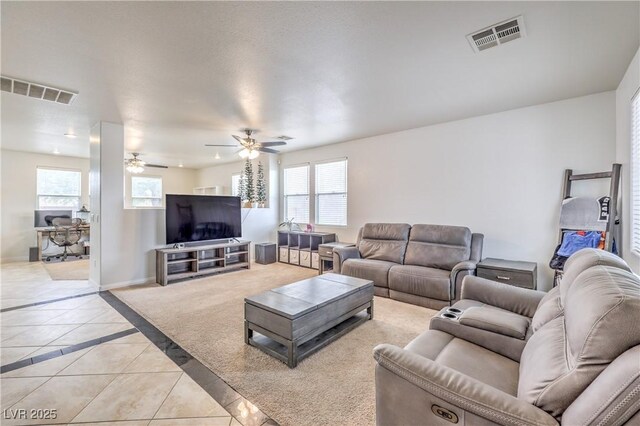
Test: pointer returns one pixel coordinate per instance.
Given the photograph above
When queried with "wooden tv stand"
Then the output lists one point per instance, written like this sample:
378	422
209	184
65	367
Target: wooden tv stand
173	264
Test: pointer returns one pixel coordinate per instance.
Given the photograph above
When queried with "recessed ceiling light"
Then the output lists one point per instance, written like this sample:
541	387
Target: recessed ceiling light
55	151
70	135
217	157
180	165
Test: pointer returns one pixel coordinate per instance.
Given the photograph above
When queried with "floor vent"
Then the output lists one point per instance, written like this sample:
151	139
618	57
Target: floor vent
37	91
497	34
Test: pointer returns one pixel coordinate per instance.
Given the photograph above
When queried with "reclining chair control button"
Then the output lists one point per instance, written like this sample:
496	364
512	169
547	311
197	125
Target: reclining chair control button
443	413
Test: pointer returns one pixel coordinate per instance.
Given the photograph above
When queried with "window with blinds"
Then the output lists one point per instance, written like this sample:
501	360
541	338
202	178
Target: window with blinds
296	193
331	193
235	184
635	173
58	188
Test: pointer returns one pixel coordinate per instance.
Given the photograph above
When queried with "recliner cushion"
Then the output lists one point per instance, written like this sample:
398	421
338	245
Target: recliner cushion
421	281
438	246
384	241
600	322
374	270
549	308
467	358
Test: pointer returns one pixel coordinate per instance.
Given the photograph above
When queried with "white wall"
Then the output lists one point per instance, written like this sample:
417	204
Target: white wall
499	174
626	90
18	197
259	225
127	237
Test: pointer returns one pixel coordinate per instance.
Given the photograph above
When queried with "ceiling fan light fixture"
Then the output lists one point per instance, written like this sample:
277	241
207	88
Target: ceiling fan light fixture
135	165
253	154
244	153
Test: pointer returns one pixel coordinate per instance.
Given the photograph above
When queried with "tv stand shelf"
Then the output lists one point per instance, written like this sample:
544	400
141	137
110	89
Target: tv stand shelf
173	264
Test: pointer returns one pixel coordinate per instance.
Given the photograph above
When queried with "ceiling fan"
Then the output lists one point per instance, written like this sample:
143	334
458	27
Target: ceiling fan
136	165
251	148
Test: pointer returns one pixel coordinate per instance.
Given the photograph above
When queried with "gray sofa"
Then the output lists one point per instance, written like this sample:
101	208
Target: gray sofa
420	264
580	363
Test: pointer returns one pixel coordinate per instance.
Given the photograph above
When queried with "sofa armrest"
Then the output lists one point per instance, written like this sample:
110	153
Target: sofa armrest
452	387
521	301
340	254
462	269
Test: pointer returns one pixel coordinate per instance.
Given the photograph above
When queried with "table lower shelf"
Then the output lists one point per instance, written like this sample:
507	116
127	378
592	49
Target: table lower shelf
292	352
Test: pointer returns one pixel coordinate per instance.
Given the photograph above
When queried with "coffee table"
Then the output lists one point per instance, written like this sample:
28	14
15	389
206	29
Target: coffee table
293	321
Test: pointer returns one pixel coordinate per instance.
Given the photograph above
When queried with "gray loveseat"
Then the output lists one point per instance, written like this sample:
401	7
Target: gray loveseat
579	367
420	264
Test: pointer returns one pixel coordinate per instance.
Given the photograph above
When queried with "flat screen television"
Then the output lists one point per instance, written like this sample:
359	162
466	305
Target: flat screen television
191	218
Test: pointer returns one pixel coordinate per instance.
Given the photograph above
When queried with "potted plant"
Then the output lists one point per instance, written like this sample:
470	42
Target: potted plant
261	187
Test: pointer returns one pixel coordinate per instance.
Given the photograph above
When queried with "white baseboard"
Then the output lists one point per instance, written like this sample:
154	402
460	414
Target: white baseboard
148	280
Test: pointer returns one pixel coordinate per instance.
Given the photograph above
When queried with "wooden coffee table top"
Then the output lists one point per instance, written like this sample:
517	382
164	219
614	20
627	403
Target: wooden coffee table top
294	300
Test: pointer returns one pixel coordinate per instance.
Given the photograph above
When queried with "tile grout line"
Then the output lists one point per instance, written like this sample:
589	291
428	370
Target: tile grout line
45	302
142	323
66	350
166	397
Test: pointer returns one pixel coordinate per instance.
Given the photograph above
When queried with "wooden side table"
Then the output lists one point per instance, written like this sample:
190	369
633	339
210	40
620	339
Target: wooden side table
325	251
512	272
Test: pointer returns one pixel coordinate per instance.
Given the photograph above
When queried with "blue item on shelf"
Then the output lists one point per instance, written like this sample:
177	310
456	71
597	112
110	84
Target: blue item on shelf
576	240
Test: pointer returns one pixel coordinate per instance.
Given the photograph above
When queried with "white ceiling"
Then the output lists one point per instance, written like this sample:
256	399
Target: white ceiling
179	75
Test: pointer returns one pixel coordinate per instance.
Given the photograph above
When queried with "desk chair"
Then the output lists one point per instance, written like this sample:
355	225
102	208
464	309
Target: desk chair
66	234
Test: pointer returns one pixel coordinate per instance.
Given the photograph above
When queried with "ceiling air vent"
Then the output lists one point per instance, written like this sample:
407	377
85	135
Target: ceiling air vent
497	34
38	91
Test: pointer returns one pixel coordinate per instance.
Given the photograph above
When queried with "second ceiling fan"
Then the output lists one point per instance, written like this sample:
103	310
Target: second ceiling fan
251	148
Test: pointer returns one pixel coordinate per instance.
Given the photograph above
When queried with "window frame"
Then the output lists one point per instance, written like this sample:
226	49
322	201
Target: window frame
234	187
78	197
634	175
307	194
132	197
317	194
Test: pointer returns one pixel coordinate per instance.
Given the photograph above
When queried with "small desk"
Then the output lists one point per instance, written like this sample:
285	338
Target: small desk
42	231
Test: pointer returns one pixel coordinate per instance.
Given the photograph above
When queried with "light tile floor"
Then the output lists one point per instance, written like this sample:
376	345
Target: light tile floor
125	381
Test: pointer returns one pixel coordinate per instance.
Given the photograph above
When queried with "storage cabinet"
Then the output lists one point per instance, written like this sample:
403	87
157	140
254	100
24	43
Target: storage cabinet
517	273
301	248
173	264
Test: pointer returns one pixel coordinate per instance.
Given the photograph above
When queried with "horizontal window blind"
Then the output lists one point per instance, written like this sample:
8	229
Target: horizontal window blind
58	188
146	191
296	193
235	184
635	173
331	193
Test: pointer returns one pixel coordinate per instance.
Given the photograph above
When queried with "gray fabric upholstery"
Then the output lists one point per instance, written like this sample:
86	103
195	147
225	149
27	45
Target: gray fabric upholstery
408	385
488	367
582	367
496	320
521	301
420	281
432	274
496	342
384	241
584	259
620	379
549	308
340	254
438	246
369	269
564	356
427	302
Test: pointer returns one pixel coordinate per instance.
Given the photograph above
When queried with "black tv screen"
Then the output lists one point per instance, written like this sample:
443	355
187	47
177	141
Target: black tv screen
192	218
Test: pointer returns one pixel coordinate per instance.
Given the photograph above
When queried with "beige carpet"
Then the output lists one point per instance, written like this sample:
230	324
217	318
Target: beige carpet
68	270
335	386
